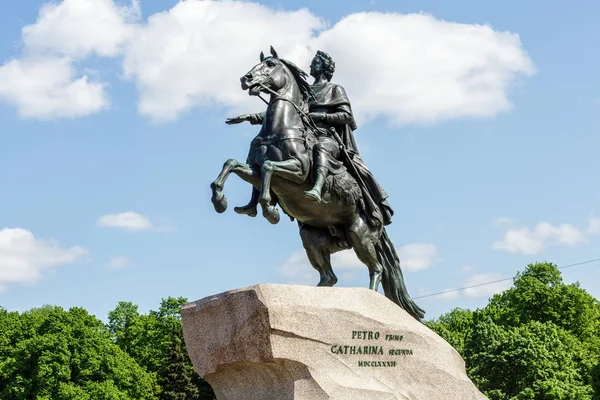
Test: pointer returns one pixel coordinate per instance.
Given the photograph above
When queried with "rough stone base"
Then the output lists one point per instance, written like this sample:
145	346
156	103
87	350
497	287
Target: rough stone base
280	342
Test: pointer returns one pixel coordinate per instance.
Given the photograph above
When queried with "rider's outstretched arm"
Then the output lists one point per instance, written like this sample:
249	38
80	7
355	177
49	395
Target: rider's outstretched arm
256	119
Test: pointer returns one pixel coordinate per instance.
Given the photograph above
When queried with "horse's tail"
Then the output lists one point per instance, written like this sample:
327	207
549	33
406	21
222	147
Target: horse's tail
392	279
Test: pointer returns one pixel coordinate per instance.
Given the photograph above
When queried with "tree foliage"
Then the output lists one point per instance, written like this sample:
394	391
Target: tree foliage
177	377
596	380
537	340
455	327
156	341
52	354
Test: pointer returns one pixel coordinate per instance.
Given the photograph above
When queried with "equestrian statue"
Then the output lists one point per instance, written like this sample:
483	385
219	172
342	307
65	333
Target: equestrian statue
305	160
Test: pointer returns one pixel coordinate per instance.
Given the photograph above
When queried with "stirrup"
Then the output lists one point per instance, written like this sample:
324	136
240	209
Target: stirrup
314	195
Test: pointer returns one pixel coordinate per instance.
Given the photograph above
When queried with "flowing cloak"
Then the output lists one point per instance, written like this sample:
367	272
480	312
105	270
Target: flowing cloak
332	100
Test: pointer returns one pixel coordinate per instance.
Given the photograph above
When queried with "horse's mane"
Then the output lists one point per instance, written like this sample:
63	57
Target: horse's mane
300	77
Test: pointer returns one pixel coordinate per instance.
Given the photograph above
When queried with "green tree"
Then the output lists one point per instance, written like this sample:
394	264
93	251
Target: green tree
596	381
532	361
120	324
539	294
178	379
155	341
537	340
455	327
170	308
52	354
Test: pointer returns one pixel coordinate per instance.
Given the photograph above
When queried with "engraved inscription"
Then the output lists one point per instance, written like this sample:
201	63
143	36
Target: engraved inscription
376	349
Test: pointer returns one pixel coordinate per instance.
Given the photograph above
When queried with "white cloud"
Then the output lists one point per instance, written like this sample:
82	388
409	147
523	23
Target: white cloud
417	256
118	262
45	83
24	259
49	87
130	221
533	241
415	68
76	28
194	54
297	270
409	68
346	260
593	226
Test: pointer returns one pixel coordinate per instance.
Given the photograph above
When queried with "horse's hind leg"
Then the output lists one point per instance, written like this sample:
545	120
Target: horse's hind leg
363	240
319	246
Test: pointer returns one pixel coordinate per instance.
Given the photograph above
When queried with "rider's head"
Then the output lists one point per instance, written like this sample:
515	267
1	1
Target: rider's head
327	65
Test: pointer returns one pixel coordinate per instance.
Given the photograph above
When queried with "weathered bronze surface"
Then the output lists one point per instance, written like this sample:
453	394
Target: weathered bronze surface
305	159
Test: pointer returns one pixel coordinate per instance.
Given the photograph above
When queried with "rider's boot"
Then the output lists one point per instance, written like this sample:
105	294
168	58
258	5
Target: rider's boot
315	192
250	208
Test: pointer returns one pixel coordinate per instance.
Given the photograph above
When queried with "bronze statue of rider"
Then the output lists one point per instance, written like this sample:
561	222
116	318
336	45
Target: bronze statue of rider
330	108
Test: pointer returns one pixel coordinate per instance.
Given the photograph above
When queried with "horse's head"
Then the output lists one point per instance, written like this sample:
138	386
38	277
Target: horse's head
271	73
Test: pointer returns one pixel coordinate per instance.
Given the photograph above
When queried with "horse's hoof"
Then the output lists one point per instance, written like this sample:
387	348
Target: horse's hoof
328	281
219	202
375	281
271	214
332	280
249	211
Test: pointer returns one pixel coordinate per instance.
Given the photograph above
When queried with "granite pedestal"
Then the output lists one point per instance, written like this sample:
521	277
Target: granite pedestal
280	342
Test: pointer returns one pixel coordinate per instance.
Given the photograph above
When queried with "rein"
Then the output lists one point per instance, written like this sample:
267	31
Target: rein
308	120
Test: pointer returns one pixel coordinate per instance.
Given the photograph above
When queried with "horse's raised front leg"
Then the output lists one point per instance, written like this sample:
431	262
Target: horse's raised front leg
242	170
290	169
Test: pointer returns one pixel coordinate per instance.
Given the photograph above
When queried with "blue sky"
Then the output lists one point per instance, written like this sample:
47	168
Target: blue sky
480	120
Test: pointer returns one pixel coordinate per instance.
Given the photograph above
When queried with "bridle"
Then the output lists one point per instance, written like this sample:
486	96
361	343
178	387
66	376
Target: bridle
307	119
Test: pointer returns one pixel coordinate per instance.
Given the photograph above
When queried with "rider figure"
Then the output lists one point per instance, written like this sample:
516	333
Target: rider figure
330	109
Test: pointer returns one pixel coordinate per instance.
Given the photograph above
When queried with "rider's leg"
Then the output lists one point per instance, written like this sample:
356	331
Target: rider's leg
250	208
323	152
315	192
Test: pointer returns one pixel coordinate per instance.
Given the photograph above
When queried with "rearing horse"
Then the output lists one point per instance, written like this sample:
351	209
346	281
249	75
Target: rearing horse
278	166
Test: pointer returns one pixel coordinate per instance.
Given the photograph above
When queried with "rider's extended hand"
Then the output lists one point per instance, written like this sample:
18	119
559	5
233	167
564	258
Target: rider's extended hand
237	120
